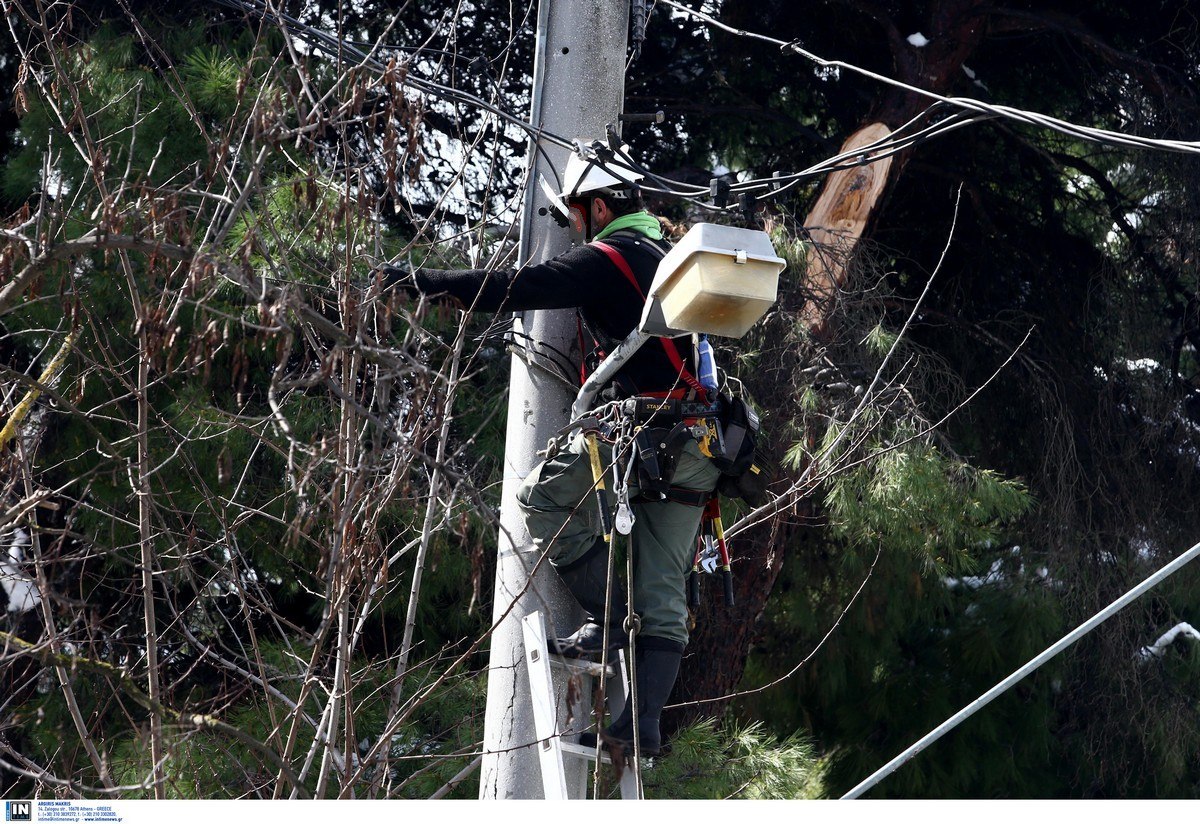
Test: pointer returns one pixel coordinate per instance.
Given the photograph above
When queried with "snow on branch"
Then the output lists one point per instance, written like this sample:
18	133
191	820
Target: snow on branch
1159	647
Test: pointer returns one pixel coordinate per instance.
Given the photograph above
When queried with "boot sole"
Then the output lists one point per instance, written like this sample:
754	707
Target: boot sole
588	739
574	651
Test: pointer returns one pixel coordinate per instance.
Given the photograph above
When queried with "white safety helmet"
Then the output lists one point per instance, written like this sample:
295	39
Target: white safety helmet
588	175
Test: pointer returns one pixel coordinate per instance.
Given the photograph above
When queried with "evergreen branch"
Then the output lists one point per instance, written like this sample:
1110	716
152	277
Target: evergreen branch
191	721
808	480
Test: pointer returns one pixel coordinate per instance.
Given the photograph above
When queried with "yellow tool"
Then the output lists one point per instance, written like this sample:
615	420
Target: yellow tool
598	477
711	435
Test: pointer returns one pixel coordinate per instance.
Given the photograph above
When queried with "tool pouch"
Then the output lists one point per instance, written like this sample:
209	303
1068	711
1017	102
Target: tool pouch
739	430
650	470
658	450
741	476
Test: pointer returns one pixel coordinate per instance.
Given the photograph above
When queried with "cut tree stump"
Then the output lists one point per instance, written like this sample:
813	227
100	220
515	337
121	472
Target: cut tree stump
836	223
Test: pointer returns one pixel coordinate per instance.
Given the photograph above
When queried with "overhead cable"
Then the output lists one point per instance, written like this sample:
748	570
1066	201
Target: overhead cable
899	140
653	183
1033	664
969	104
334	46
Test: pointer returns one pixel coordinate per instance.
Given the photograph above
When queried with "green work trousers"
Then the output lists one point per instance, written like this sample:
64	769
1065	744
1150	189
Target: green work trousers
561	514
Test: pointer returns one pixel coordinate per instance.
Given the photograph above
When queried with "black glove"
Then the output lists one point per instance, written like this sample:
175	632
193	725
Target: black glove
398	278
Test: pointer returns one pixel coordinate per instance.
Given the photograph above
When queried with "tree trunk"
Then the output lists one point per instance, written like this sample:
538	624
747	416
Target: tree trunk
841	214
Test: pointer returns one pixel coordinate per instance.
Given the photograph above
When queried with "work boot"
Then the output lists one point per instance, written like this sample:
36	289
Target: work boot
587	580
657	668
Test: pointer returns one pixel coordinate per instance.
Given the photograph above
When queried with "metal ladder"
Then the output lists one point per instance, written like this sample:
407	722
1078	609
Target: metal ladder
550	716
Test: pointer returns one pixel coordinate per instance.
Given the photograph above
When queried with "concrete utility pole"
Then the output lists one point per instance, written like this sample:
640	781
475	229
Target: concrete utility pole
578	87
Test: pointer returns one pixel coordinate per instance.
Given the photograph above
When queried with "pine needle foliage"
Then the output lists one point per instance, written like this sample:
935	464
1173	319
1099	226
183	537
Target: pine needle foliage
734	761
908	497
910	598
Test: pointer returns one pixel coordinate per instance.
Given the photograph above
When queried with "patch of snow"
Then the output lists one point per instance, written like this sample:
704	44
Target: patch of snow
1165	640
969	72
1141	364
22	591
919	40
994	575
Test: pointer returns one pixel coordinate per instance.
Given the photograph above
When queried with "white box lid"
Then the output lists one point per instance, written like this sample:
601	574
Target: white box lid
703	237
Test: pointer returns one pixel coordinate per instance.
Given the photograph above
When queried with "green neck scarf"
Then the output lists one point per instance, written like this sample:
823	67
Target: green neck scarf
642	221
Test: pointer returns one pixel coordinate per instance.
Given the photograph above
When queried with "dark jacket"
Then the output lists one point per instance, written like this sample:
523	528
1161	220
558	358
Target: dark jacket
585	278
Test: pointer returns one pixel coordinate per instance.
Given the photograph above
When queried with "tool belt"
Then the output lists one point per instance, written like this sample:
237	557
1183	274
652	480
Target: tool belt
727	431
647	409
667	426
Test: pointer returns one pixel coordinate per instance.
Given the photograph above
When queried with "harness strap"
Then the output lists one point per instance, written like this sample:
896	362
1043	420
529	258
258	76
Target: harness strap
682	495
668	345
599	352
579	336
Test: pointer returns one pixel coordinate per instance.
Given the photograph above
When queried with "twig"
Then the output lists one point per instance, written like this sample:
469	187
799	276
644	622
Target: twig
449	786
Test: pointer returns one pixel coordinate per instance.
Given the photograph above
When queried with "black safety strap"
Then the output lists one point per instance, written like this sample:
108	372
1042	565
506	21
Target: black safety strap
680	495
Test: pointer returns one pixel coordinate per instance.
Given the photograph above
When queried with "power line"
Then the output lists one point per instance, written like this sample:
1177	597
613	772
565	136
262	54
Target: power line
968	104
334	46
1037	661
759	189
964	111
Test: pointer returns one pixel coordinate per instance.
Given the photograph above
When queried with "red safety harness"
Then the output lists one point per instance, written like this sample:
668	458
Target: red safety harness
668	345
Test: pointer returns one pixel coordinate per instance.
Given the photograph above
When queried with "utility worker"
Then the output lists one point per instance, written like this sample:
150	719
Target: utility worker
606	279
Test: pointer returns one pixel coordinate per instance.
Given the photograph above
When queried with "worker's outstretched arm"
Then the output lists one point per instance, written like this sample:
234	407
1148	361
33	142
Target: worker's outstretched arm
574	278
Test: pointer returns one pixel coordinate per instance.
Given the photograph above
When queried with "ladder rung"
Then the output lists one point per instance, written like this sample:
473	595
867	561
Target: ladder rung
580	666
580	751
589	754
